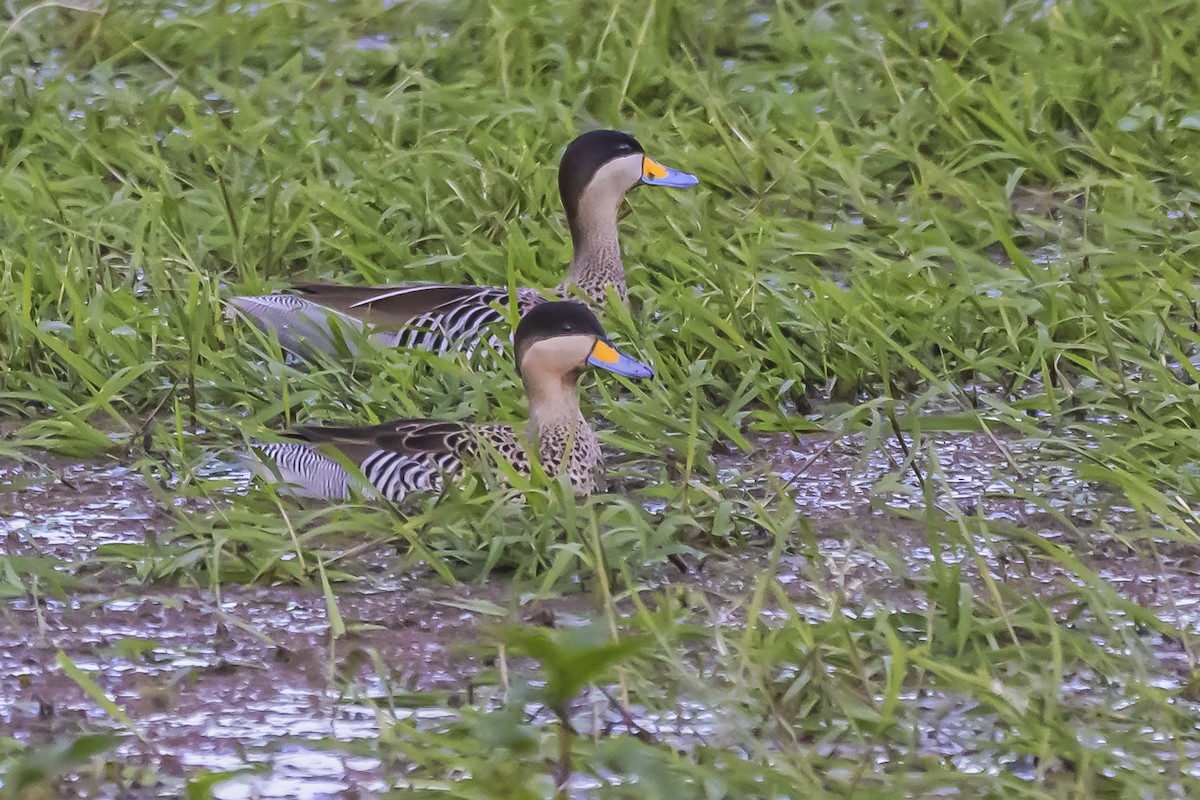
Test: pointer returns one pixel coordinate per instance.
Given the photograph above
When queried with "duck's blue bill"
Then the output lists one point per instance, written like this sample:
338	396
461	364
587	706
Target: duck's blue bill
605	356
656	174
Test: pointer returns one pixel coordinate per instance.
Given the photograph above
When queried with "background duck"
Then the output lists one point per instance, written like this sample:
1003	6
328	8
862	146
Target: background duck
553	343
596	171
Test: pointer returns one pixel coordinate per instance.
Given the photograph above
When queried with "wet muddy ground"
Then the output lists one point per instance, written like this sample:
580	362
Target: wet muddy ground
248	677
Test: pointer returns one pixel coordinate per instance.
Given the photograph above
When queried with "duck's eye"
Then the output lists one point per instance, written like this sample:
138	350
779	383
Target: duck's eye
624	147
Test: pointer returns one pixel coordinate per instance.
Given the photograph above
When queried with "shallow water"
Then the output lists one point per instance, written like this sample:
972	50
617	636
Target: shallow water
218	683
221	684
995	478
65	509
251	678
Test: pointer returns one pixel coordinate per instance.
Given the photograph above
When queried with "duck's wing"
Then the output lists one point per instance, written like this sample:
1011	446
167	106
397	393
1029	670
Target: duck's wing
397	458
302	327
437	317
406	437
391	307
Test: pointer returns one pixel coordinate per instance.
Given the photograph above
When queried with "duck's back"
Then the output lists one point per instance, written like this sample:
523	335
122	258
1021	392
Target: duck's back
437	318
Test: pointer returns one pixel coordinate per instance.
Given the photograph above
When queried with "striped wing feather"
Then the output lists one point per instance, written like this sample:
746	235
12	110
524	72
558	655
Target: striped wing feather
397	458
406	437
438	318
390	307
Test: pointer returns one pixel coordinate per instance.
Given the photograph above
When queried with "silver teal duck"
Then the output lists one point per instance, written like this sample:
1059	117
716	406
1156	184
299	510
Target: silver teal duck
553	344
597	169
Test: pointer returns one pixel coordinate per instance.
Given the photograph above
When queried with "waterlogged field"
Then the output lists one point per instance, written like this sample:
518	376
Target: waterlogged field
909	510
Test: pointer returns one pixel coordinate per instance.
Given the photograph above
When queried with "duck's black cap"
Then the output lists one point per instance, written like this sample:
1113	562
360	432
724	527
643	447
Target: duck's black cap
547	320
584	156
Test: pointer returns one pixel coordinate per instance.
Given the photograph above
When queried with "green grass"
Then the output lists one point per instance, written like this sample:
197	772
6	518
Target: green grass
912	215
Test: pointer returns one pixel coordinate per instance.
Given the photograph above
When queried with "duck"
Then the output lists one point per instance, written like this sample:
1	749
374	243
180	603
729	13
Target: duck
597	169
554	343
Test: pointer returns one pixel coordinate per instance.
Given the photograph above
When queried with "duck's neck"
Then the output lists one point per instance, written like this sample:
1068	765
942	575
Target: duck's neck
565	441
596	262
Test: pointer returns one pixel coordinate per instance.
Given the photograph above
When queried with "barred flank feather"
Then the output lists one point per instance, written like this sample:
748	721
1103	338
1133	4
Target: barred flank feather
302	470
396	475
396	458
471	323
461	328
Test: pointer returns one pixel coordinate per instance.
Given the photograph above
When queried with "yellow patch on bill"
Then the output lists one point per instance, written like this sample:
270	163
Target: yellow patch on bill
652	169
603	351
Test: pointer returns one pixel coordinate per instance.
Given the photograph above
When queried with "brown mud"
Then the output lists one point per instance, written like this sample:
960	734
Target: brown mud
252	675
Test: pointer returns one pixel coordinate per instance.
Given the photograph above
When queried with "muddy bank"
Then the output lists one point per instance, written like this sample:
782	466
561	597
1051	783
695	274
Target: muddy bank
253	677
208	682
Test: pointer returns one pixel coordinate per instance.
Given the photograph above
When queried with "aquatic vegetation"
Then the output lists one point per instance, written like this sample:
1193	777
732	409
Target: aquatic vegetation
909	509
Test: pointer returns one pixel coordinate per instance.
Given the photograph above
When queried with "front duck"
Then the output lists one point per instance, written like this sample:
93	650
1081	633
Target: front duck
554	343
